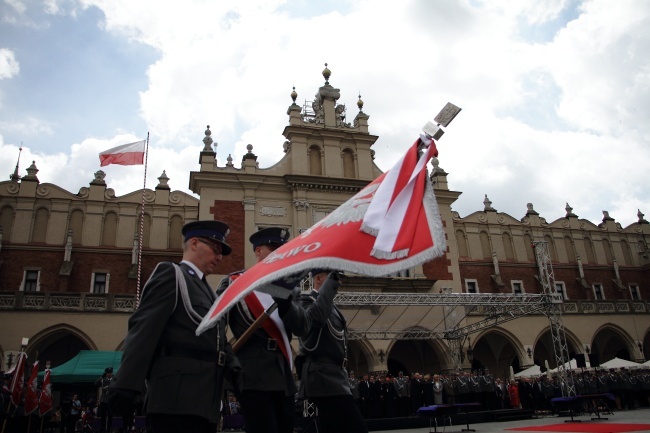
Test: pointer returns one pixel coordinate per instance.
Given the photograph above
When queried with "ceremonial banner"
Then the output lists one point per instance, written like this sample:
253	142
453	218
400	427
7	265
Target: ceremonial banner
45	400
31	392
391	225
18	381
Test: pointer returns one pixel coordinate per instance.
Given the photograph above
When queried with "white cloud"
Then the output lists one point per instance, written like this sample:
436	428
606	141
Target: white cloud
9	66
547	120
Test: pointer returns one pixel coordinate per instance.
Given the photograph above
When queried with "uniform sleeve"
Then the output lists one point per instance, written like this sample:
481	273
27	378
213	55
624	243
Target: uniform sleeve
146	326
294	316
319	311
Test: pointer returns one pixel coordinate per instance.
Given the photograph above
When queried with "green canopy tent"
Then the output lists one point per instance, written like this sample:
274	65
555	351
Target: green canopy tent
86	367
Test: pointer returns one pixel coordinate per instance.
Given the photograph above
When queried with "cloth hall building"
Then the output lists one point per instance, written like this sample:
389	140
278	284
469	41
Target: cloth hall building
69	260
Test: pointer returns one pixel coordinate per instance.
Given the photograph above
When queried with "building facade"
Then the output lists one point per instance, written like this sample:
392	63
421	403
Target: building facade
69	263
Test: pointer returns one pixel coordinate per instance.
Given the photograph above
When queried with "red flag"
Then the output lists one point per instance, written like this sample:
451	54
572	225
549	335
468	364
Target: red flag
404	230
18	381
45	399
31	392
126	154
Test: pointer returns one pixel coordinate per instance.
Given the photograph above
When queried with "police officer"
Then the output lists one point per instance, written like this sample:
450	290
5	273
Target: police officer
268	387
104	413
184	372
324	375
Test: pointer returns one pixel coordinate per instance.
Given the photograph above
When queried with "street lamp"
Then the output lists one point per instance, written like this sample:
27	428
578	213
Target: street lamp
470	351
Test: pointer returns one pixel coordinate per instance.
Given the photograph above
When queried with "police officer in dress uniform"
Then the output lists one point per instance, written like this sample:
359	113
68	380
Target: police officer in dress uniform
324	348
104	413
183	372
268	386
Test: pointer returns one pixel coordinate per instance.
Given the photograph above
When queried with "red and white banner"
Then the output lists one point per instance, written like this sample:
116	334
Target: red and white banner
18	380
391	225
31	392
126	154
45	400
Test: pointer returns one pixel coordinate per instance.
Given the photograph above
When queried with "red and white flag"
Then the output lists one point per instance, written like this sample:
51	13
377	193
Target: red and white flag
18	381
31	392
391	225
45	400
126	154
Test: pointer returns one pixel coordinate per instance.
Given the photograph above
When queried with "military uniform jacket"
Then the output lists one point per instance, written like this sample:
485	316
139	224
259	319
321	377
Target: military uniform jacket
264	366
184	373
325	346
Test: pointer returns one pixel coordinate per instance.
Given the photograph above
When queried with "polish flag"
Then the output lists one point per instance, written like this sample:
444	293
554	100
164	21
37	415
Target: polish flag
45	403
391	225
31	392
126	154
18	381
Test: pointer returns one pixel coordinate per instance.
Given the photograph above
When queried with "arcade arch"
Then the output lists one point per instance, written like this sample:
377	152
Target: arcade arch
497	350
58	344
544	351
421	356
611	342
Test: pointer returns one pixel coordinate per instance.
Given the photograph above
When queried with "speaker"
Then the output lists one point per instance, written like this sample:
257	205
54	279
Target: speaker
593	360
580	360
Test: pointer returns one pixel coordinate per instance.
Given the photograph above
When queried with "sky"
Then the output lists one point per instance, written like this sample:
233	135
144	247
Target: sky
555	94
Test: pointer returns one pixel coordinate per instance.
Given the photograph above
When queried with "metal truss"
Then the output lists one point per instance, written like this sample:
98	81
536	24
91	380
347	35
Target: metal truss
357	299
547	279
496	307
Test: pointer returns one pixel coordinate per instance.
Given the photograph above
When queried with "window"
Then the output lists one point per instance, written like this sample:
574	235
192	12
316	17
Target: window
471	286
560	288
635	294
31	281
517	287
99	282
348	164
599	295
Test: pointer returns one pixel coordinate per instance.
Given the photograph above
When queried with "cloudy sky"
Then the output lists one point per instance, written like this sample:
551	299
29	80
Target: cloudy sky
555	93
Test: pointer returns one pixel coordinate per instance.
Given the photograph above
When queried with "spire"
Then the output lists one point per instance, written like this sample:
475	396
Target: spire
15	177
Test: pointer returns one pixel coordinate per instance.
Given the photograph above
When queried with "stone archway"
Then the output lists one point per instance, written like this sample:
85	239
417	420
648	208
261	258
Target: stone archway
358	357
544	351
608	343
58	345
497	351
416	356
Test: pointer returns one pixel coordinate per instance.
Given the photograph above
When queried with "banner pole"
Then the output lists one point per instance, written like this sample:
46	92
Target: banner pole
144	189
254	327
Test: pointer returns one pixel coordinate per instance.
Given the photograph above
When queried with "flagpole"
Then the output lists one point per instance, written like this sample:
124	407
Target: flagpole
144	188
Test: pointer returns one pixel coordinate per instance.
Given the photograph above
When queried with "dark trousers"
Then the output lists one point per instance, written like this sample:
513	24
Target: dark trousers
163	423
105	418
339	414
267	411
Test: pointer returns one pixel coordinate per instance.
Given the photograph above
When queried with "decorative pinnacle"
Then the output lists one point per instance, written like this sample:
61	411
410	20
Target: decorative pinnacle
294	95
326	74
360	102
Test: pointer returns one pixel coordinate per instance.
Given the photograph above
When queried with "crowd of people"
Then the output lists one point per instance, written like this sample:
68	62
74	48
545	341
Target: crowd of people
386	396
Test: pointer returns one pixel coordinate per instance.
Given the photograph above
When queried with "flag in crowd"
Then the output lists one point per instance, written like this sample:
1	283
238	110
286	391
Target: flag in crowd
391	225
31	392
18	380
126	154
45	399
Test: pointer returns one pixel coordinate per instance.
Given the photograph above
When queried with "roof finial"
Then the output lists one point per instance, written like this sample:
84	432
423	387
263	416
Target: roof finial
360	103
326	74
294	95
